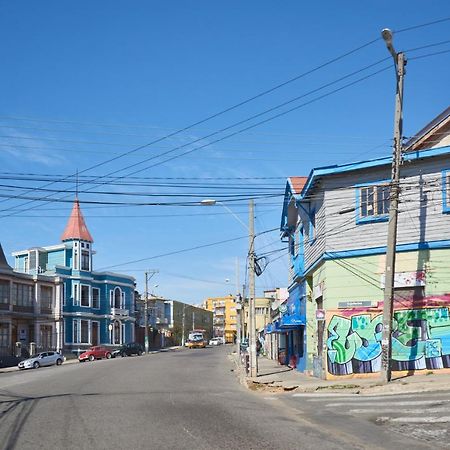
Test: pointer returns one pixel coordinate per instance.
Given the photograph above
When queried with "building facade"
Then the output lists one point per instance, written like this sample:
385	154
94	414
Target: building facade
97	307
337	233
183	318
224	316
30	311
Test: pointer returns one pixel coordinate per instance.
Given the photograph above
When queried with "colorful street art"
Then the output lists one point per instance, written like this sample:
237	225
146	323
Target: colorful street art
420	340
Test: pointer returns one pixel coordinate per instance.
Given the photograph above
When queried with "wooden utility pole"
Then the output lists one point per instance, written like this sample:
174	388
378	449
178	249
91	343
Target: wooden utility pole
251	300
389	278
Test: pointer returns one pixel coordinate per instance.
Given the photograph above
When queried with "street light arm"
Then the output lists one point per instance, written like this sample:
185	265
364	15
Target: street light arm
212	202
234	215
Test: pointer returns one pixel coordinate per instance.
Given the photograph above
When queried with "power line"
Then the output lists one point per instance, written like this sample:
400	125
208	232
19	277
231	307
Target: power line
249	127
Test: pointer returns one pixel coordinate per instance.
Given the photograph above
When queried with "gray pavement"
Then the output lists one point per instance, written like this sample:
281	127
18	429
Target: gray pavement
274	377
183	399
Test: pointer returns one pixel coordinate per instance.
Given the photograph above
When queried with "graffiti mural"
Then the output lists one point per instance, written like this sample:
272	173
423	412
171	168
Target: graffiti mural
420	340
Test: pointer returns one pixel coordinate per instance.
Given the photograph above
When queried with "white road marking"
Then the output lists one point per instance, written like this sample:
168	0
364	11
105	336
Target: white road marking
428	419
390	404
366	397
270	398
403	411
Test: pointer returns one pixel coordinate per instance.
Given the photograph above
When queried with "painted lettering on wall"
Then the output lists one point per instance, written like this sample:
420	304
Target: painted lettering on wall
420	340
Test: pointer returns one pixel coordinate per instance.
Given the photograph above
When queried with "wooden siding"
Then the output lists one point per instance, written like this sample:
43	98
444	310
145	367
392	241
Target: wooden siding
417	221
314	248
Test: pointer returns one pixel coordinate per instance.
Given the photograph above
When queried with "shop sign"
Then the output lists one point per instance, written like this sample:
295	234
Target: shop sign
320	314
283	308
357	304
407	279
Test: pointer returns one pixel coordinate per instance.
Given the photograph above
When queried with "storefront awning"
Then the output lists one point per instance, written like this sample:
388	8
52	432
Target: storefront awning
291	321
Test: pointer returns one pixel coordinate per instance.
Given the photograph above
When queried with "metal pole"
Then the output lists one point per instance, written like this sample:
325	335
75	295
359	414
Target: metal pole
238	314
389	279
182	326
251	282
146	314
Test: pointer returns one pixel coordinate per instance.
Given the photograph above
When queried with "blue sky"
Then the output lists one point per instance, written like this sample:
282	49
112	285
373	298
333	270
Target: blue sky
83	82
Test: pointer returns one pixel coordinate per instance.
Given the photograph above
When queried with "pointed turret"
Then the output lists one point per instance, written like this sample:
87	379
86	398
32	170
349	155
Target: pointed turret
3	263
76	227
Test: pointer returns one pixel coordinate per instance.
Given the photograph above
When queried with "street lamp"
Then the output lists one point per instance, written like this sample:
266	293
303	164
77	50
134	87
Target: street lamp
389	278
213	202
251	266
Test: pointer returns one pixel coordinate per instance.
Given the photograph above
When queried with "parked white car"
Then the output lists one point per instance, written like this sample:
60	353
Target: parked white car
215	341
42	359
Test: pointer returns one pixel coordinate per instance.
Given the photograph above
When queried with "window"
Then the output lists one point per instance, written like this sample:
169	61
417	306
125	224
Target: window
117	298
46	297
75	259
85	295
84	329
76	339
75	294
312	226
81	331
22	295
374	202
4	335
446	191
95	298
4	291
85	259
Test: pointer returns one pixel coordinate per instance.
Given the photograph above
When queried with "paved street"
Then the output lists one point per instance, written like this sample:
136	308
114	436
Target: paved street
185	399
425	417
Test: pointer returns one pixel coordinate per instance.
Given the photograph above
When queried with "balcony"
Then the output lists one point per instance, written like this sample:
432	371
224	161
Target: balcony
119	312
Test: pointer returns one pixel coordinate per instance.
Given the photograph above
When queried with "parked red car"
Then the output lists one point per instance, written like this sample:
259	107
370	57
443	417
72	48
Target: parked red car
95	353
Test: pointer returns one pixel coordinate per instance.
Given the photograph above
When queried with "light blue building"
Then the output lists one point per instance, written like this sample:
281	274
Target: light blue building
97	307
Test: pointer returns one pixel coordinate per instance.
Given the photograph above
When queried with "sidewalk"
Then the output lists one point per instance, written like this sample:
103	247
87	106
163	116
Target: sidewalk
275	378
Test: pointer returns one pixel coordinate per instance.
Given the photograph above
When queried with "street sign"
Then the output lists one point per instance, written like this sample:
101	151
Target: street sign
320	314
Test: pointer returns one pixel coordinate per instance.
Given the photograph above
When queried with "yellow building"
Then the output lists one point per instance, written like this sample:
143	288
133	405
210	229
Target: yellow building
224	316
262	312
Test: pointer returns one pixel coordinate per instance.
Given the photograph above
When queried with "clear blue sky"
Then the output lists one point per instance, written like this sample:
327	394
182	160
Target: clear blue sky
145	69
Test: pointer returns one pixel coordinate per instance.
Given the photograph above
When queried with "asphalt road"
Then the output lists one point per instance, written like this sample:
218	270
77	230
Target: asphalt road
183	399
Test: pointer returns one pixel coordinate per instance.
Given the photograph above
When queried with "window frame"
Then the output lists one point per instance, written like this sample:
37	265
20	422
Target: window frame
98	297
446	191
312	226
358	196
84	286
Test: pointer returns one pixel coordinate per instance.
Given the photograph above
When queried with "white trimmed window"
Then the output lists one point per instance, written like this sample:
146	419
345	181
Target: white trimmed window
81	331
374	201
85	260
96	298
85	295
46	297
76	294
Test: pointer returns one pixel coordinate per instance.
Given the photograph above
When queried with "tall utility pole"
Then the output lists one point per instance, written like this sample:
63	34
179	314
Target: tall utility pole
147	277
389	278
251	299
238	313
182	326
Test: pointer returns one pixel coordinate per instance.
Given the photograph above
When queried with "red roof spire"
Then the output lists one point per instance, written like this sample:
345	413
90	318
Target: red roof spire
76	227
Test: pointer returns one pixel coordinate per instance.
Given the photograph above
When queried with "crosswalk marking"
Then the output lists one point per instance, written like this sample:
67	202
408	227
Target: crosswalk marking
428	419
391	403
362	398
426	414
403	411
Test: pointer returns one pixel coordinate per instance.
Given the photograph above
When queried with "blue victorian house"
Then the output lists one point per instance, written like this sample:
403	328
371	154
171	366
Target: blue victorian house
97	307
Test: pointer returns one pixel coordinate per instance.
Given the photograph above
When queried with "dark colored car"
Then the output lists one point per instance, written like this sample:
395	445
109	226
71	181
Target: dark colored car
132	348
95	353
